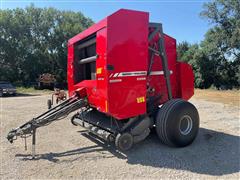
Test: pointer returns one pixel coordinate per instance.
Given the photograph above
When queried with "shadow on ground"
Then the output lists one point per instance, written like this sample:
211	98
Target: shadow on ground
213	153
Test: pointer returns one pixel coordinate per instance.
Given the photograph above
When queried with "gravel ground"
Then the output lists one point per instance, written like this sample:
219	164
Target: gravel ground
65	151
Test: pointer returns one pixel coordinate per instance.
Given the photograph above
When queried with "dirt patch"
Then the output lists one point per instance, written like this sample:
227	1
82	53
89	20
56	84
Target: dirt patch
225	97
65	151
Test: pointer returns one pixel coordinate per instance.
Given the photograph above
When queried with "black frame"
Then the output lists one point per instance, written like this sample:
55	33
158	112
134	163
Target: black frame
162	53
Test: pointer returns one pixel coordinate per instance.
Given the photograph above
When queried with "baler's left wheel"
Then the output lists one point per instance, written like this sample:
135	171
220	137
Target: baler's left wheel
177	123
124	141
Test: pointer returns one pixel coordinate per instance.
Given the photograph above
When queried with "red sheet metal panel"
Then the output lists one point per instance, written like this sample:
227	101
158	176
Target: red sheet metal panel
70	69
127	53
185	81
101	72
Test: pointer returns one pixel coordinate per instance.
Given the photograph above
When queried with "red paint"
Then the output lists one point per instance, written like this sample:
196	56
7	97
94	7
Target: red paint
122	41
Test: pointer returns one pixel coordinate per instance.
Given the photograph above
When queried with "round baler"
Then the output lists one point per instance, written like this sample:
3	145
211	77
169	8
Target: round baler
124	81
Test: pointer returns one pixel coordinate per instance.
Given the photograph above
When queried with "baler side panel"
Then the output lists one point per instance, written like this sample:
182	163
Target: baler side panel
127	53
70	70
185	81
101	72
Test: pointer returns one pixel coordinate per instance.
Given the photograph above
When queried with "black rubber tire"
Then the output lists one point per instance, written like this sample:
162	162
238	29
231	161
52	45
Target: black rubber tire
168	123
124	141
49	103
1	93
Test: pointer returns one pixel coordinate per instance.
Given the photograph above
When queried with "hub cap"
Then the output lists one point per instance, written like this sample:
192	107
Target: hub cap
185	125
124	141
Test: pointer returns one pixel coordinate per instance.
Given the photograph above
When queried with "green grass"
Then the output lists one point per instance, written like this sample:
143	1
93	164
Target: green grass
31	90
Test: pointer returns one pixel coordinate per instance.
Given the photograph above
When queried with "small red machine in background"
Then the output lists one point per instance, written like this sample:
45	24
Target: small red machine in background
124	80
46	81
59	95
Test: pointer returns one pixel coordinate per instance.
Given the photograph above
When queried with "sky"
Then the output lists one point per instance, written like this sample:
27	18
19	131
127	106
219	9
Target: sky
180	18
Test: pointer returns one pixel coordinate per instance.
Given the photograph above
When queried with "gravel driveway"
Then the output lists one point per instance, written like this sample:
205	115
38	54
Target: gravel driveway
66	151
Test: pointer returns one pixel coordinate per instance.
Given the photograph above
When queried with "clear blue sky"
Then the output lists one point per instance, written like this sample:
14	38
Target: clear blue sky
180	18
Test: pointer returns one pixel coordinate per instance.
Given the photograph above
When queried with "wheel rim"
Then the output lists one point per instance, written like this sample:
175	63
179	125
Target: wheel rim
124	141
185	125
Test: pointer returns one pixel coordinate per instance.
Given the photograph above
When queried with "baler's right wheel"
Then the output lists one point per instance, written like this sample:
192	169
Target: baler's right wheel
177	123
124	141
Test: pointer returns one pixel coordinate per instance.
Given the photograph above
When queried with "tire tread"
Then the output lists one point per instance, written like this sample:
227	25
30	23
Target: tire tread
162	120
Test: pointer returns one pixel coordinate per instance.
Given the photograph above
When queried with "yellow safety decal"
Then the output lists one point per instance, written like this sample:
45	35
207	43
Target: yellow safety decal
140	99
99	70
106	106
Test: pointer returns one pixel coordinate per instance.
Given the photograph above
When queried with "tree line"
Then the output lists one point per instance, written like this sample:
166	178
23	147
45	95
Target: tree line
216	60
34	41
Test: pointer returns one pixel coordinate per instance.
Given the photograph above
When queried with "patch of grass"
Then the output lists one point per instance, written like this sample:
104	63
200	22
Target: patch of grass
31	90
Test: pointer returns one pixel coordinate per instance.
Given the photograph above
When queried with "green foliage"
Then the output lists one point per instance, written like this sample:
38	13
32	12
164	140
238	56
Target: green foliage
182	48
200	63
33	41
216	61
222	42
225	16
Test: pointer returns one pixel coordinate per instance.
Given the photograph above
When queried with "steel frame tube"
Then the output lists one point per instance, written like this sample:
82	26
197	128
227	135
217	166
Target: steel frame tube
88	60
94	129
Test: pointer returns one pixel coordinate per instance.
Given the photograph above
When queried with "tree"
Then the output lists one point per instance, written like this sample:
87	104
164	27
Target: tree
221	42
225	16
181	49
201	64
34	41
